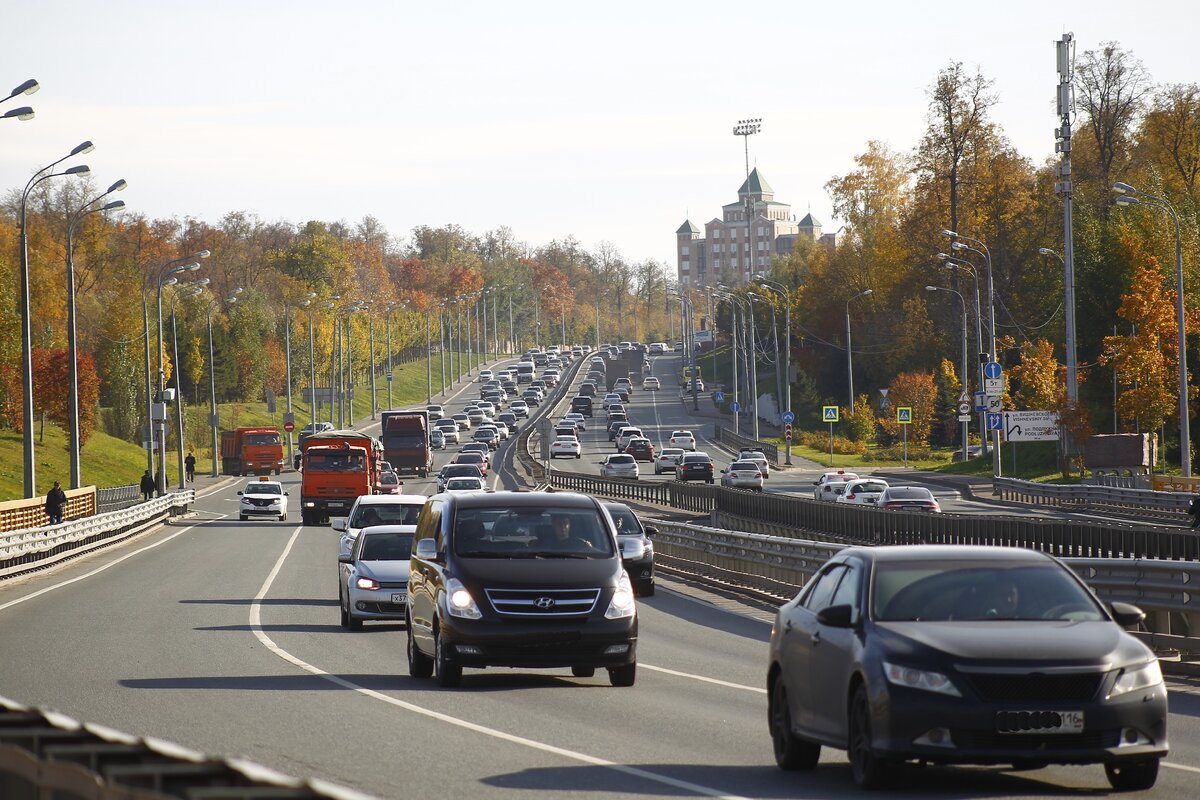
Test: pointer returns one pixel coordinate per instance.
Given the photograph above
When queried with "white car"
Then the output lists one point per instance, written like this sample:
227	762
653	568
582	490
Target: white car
486	375
831	484
263	498
464	422
862	492
619	465
435	412
651	383
374	575
758	457
465	485
667	460
376	509
519	407
625	434
578	419
437	439
565	445
683	439
449	429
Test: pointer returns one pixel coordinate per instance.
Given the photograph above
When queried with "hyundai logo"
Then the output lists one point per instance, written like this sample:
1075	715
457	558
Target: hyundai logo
544	603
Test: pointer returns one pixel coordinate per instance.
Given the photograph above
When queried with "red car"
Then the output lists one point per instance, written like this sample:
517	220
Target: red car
471	457
641	449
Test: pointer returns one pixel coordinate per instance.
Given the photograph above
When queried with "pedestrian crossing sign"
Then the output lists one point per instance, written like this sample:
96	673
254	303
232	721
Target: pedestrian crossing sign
829	413
904	415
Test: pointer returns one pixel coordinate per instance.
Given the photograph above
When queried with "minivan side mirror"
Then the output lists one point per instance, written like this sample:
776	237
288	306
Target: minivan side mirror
836	616
427	549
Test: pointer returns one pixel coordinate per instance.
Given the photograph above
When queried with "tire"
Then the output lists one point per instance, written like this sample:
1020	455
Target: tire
348	620
624	675
243	517
579	455
1132	776
646	590
583	672
419	664
791	752
305	519
345	617
447	674
277	470
870	770
283	517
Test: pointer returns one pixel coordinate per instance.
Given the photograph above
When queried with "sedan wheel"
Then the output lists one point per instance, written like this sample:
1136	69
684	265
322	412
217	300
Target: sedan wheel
791	753
342	609
583	672
1132	777
870	771
623	675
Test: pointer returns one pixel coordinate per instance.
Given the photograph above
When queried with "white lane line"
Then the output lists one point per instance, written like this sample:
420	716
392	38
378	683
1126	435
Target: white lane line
573	755
1183	767
98	570
716	681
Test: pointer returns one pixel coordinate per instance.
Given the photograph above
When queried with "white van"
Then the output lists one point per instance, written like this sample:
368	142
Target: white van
525	371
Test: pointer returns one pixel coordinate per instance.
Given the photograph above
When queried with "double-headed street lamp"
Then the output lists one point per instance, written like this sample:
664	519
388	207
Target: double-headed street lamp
43	174
167	276
24	112
1129	196
193	289
964	352
73	221
949	262
749	355
849	349
287	341
214	420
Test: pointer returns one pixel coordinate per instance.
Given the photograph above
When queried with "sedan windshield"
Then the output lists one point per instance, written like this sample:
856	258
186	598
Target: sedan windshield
386	547
264	488
973	590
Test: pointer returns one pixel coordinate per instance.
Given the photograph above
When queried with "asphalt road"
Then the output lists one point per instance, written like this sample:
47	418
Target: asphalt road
223	636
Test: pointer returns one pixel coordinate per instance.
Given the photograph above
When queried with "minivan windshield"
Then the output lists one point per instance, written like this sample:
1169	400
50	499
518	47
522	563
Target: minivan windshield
532	532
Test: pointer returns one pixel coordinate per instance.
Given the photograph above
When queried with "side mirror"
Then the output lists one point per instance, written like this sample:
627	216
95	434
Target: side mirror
287	494
239	494
1127	615
345	558
427	549
836	616
816	483
632	549
651	531
338	524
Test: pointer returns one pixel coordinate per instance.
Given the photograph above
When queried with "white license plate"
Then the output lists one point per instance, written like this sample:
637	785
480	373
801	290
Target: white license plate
1026	722
400	598
336	505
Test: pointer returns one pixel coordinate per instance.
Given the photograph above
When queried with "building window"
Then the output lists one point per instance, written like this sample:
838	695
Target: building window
684	251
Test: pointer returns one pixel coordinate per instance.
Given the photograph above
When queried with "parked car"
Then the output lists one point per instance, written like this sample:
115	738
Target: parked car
263	498
742	475
862	491
831	484
641	570
956	654
909	498
651	383
619	465
695	467
682	439
641	448
667	459
565	446
373	575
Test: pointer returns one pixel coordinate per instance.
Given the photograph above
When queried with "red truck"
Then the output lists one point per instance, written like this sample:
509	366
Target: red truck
338	467
406	441
254	450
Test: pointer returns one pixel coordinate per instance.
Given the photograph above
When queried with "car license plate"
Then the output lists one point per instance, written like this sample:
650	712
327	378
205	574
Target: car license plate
336	505
1019	722
399	598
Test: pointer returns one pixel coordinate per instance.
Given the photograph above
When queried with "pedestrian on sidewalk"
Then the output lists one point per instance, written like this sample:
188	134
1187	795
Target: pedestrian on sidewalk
190	464
147	486
56	501
1194	511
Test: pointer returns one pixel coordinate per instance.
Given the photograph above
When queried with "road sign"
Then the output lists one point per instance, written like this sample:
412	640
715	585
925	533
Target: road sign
965	397
993	387
964	407
994	403
980	401
904	415
389	377
735	406
992	370
964	417
719	397
289	426
995	422
829	414
787	432
789	417
1030	426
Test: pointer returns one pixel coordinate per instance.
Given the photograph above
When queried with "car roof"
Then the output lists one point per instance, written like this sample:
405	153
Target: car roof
524	500
252	484
391	499
943	552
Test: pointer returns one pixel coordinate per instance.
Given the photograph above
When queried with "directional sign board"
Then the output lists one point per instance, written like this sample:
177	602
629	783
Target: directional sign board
904	415
992	370
719	397
829	413
995	422
789	417
980	401
1030	426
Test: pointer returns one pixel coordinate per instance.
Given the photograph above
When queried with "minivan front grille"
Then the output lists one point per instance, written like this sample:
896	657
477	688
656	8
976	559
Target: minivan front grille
543	602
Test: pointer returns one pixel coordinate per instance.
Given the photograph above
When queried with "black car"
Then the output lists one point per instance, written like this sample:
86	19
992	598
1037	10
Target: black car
962	655
615	423
695	467
457	471
587	389
531	397
520	579
641	570
582	405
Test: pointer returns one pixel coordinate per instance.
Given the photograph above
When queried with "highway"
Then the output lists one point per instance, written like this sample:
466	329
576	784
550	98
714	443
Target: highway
223	636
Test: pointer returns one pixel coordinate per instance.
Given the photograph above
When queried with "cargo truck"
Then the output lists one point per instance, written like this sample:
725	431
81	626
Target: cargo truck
406	441
255	451
338	467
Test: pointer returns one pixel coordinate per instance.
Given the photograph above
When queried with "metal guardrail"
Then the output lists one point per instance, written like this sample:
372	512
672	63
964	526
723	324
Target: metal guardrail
1141	502
115	498
45	755
735	440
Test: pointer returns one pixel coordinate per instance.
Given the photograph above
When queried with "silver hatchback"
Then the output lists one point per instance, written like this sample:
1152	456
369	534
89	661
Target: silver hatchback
374	576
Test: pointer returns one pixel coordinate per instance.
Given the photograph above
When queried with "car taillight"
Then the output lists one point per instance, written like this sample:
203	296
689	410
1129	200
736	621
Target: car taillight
849	497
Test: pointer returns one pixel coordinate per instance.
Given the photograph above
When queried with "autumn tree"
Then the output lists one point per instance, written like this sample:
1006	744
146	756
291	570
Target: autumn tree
917	391
1170	135
1113	87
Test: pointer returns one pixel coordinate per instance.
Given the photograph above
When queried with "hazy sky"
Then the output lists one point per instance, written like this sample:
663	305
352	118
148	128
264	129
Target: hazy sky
610	121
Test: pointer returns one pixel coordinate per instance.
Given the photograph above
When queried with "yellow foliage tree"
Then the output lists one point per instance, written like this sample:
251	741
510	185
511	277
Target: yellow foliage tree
917	391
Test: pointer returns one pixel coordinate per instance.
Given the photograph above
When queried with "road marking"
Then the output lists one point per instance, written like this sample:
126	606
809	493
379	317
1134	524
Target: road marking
1183	767
716	681
573	755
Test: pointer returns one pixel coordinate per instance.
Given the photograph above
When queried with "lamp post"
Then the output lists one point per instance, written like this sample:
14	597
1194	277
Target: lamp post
43	174
740	331
391	306
950	262
689	336
428	355
443	340
1129	196
1070	344
537	323
73	380
849	349
963	302
193	289
775	338
24	112
167	275
511	335
312	374
287	341
213	419
787	343
365	305
747	128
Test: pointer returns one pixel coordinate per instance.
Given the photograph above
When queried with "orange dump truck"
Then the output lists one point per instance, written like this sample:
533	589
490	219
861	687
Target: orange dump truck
256	451
338	467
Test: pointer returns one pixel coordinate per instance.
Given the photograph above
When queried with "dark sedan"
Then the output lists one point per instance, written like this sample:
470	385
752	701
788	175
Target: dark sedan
962	655
695	467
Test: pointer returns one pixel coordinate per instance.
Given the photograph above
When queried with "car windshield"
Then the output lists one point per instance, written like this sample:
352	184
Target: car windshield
385	514
978	590
389	478
464	483
386	547
868	487
263	488
532	533
746	465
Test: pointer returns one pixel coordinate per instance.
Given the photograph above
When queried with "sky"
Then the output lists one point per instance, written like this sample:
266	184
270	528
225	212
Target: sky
607	121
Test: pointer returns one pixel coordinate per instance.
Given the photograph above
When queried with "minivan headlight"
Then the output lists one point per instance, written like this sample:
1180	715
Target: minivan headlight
1140	677
459	602
622	603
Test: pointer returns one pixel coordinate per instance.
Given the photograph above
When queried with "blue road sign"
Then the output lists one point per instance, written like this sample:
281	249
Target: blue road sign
789	417
980	401
735	406
829	414
904	415
992	370
995	421
719	397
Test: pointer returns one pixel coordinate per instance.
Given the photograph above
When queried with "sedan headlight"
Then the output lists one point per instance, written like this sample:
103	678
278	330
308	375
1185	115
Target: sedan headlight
926	680
622	603
366	583
1140	677
459	602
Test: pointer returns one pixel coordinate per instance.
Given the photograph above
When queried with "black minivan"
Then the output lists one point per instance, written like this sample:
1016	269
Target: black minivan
520	579
582	405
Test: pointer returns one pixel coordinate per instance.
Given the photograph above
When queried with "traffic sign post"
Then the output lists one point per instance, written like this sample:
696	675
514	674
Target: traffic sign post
992	370
830	414
289	426
788	419
719	397
904	417
787	432
735	406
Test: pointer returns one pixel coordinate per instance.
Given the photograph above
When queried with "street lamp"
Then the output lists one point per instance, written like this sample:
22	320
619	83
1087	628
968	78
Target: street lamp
167	276
747	335
24	112
747	128
194	289
365	305
964	353
45	173
787	340
73	380
214	420
949	262
775	339
849	349
1129	196
1069	303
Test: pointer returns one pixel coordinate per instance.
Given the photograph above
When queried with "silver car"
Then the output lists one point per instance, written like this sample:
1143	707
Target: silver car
742	475
667	459
374	576
619	465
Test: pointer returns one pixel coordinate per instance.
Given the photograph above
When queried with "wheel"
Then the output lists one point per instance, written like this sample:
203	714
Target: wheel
277	470
243	517
348	620
419	664
870	771
345	617
447	674
1132	777
305	519
283	517
583	672
791	752
623	675
710	481
579	455
647	589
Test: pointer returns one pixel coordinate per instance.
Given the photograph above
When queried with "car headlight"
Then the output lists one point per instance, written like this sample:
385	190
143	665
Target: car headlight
622	604
912	678
366	583
1140	677
459	602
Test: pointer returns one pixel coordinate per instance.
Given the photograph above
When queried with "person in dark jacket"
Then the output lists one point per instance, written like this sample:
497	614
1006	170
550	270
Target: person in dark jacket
190	464
56	501
147	486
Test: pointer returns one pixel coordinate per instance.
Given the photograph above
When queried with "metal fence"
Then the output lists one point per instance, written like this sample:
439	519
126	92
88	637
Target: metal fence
737	441
115	498
1112	499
